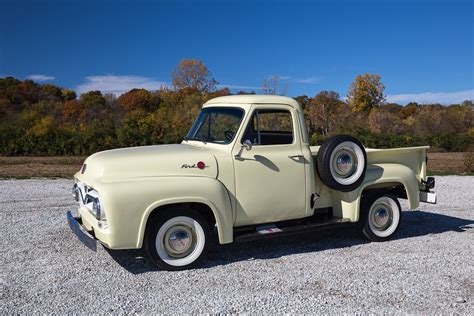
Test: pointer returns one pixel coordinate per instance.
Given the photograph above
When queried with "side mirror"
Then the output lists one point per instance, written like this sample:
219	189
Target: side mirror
247	145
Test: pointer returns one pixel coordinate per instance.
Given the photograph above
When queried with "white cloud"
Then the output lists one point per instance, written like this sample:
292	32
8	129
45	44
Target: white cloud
118	84
277	76
309	80
432	97
40	77
304	80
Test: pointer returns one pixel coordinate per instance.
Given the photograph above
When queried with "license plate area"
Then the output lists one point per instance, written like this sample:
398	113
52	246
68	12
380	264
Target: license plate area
428	197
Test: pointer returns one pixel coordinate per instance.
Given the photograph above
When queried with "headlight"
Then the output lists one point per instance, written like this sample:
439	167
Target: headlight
93	204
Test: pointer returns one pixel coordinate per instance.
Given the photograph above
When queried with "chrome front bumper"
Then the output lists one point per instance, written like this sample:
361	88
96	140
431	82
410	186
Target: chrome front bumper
84	236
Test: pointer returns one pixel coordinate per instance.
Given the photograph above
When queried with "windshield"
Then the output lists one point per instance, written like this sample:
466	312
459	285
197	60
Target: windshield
216	125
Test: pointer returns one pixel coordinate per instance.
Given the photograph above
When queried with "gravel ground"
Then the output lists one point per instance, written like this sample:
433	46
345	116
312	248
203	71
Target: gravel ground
426	269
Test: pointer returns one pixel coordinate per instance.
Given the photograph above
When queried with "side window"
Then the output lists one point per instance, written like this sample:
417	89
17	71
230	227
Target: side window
270	127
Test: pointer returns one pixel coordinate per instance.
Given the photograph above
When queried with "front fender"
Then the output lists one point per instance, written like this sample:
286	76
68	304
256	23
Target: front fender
128	203
207	191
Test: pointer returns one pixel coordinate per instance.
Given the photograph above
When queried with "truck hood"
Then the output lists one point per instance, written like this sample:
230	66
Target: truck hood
149	161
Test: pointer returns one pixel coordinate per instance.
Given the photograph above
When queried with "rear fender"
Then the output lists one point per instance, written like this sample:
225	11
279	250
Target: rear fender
347	204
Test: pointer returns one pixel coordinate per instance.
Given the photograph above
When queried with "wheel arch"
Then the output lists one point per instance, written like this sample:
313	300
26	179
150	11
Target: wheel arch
203	206
397	187
400	180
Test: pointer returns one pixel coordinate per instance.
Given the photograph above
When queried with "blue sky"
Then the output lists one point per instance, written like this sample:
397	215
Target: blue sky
423	49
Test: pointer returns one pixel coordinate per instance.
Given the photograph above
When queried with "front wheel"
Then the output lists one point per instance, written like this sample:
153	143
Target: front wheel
177	240
381	215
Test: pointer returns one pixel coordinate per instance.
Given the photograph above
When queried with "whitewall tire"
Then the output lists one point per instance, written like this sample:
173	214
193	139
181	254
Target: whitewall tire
381	214
177	240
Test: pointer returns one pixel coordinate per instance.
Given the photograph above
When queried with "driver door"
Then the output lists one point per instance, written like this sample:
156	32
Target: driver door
270	177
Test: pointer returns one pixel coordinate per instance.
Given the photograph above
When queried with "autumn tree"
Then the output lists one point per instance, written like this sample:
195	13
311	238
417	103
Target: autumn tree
72	109
4	105
50	92
322	111
43	119
92	98
303	100
366	93
381	121
93	105
135	99
193	74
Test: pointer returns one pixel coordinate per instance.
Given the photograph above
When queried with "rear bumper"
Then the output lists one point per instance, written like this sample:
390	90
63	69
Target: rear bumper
84	236
426	195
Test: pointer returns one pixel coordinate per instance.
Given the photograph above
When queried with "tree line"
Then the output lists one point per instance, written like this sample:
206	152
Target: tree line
44	119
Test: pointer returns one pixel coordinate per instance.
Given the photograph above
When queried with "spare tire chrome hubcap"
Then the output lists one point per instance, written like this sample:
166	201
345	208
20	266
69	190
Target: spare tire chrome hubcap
345	163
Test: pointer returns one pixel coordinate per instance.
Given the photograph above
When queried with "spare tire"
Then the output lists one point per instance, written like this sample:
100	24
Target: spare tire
341	163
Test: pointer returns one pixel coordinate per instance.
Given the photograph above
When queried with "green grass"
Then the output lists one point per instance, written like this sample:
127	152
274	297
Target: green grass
449	173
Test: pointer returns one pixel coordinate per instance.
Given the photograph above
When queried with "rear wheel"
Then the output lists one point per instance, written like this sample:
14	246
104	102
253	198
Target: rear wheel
177	239
381	215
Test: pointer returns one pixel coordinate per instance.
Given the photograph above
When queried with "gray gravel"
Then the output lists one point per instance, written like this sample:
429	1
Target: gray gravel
427	268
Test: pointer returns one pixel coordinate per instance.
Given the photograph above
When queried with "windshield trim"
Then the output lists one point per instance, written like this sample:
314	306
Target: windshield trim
214	142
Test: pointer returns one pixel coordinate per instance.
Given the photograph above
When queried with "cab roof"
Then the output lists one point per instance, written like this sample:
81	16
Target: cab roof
254	99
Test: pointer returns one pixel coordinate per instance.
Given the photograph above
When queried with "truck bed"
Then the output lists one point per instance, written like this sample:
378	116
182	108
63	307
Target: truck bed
315	149
412	157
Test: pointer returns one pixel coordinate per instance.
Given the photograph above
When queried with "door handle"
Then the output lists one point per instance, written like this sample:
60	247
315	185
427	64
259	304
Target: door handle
296	157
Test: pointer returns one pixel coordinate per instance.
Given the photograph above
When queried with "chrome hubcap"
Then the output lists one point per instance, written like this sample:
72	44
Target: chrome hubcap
345	163
381	216
179	241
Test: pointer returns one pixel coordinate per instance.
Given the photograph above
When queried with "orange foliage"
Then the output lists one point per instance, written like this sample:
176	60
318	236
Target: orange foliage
135	99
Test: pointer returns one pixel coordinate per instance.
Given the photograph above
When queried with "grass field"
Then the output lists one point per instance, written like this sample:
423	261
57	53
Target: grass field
31	167
65	167
451	163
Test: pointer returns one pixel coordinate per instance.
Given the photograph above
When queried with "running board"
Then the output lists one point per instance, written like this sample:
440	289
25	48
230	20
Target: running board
286	229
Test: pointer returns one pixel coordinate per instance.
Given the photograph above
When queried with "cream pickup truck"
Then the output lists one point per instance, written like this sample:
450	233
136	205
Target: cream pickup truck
245	170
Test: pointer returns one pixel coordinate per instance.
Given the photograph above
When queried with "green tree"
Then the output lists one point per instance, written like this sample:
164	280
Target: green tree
92	106
68	94
366	93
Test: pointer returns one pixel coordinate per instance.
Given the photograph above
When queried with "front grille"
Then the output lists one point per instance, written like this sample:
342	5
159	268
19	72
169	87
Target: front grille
80	193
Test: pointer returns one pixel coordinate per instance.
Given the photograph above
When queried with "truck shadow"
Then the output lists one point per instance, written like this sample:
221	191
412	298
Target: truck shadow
414	224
